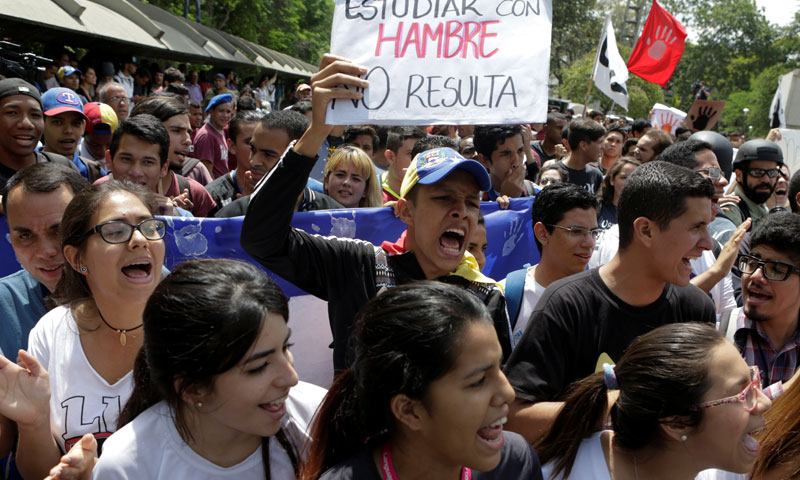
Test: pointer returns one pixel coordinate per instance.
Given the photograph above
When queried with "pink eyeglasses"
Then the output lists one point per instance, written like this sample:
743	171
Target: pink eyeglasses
749	396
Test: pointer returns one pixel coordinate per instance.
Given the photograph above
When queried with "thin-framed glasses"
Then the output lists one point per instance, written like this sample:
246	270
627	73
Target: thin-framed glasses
579	232
712	172
760	172
772	269
121	232
748	397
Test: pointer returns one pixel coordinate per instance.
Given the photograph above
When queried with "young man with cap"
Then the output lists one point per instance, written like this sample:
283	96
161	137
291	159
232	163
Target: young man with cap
70	77
219	88
440	202
101	121
757	169
64	122
210	145
21	127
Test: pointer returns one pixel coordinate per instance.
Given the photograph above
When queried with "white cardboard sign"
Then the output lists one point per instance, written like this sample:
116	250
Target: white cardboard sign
456	62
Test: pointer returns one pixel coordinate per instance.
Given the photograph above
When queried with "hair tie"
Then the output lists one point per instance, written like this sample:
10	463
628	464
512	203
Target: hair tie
610	377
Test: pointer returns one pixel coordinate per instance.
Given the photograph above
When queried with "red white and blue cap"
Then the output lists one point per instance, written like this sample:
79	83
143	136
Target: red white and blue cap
431	166
67	71
60	100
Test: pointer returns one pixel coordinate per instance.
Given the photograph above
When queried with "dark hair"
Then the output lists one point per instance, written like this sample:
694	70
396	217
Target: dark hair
247	104
302	107
172	74
397	135
176	89
241	118
640	125
662	374
293	123
794	189
200	322
606	193
145	127
684	153
614	128
405	339
781	231
629	145
77	221
553	201
433	141
193	104
353	131
548	168
487	137
44	178
163	107
143	72
662	140
584	130
553	116
680	130
658	191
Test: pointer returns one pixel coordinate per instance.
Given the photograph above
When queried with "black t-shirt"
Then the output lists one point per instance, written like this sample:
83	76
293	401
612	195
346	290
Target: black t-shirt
41	157
518	461
589	178
577	319
607	216
223	189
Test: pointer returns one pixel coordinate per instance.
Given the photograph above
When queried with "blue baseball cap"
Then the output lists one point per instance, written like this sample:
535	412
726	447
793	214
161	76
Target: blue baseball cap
60	100
67	71
431	166
219	100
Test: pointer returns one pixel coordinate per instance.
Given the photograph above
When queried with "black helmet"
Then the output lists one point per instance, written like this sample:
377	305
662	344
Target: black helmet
720	145
758	150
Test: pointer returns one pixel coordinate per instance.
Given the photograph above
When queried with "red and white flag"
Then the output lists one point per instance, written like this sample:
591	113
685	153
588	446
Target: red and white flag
659	48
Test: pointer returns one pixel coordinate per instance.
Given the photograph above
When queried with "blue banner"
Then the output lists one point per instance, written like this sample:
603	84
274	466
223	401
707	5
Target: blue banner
508	232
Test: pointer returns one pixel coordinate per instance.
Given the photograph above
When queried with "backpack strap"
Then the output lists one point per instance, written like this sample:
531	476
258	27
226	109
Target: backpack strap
183	184
188	166
515	284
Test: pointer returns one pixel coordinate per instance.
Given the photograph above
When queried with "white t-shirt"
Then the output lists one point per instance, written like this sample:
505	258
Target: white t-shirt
81	401
531	291
150	446
721	293
590	463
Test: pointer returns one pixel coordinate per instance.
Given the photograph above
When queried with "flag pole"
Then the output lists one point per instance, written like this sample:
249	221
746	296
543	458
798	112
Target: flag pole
589	91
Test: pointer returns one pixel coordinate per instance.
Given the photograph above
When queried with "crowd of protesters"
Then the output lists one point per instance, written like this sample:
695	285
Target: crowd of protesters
650	340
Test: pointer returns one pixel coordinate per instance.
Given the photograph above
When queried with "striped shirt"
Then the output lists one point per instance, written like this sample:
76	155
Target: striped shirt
776	364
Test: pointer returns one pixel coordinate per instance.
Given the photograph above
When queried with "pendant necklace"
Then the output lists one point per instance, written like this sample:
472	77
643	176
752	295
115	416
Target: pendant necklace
123	338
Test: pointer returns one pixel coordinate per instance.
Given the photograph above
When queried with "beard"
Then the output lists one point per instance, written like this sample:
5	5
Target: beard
758	197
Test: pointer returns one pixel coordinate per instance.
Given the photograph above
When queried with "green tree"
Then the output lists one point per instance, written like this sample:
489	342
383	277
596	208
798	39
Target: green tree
576	30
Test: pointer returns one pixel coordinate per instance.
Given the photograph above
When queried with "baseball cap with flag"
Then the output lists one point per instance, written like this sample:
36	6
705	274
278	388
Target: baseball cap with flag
67	71
60	100
101	118
431	166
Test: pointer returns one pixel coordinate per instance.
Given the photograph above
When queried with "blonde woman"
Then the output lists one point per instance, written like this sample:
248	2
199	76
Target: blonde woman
350	179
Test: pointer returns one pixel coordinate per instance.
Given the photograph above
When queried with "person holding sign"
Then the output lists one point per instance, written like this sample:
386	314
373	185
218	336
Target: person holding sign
440	202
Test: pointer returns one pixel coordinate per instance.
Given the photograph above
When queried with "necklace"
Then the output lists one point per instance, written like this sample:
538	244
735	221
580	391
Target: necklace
123	338
388	472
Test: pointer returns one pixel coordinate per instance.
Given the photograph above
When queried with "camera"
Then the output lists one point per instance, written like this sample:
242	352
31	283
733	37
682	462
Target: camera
14	62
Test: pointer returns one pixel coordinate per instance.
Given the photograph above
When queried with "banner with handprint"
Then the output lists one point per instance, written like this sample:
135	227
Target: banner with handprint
666	118
659	48
704	114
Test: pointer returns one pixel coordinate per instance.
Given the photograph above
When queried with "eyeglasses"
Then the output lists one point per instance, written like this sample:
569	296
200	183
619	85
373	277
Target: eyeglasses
579	232
772	269
121	232
760	172
711	172
749	396
119	100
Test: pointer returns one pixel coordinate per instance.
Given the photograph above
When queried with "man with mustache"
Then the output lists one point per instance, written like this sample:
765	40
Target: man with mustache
757	167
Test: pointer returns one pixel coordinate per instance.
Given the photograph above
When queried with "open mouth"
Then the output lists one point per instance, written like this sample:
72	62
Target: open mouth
452	241
492	436
138	270
51	271
277	408
750	444
755	297
24	140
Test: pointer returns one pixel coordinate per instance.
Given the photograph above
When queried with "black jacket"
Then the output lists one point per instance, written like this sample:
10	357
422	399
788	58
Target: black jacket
346	273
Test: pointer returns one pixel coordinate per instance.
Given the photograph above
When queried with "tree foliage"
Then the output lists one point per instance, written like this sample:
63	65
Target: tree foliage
300	28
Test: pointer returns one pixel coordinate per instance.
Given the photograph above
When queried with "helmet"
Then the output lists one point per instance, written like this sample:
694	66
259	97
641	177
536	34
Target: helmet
758	150
720	145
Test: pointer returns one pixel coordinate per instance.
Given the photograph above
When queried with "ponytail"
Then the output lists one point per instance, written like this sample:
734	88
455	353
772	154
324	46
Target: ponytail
145	394
583	410
338	431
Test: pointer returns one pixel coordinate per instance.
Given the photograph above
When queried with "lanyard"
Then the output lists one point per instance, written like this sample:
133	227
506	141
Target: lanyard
387	466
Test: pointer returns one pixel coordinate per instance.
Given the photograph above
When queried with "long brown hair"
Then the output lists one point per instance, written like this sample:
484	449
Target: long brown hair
606	193
780	438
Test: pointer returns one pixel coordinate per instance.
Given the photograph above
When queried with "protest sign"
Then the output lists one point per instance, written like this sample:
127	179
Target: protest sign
704	114
790	146
455	62
666	118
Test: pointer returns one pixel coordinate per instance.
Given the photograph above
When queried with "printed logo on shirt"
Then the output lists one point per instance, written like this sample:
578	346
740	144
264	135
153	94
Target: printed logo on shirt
76	425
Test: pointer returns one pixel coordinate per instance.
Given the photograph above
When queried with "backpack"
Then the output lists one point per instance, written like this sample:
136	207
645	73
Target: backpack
515	284
188	166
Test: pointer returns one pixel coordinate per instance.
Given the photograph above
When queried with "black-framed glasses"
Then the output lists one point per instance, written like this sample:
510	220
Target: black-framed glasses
579	232
711	172
121	232
760	172
772	269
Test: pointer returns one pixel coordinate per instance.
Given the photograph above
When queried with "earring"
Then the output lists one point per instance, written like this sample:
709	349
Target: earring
683	438
199	404
84	269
